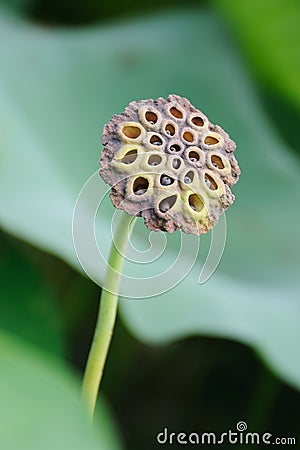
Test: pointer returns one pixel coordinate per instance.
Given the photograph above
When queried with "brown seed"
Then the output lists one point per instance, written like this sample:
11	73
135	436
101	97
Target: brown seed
159	170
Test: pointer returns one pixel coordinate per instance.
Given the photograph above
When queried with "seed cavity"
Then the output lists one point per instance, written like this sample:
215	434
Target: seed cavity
189	177
176	163
155	140
170	129
198	121
151	117
167	203
131	131
210	140
210	182
154	160
140	186
176	113
194	156
196	202
165	180
217	162
130	157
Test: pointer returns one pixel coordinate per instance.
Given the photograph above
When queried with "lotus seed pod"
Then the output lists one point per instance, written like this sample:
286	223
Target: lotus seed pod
166	162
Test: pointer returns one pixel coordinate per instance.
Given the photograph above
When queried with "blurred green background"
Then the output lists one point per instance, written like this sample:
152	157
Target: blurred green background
198	358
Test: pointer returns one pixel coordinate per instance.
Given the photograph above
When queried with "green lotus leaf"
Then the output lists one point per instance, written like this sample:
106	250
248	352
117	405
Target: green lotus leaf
28	308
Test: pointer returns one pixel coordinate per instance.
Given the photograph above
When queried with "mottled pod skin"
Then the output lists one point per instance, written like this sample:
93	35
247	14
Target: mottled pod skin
169	164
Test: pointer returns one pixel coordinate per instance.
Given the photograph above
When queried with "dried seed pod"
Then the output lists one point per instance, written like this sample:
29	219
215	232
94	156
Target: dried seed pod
167	163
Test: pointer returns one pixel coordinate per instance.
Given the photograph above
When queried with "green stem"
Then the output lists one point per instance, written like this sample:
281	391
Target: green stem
106	315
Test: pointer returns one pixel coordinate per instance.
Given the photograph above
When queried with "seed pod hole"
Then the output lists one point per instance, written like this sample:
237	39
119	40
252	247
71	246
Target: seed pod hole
155	140
167	203
130	157
176	163
151	117
189	177
140	186
196	202
210	182
131	131
165	180
189	136
154	160
170	129
175	148
198	121
194	156
176	113
210	140
217	162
